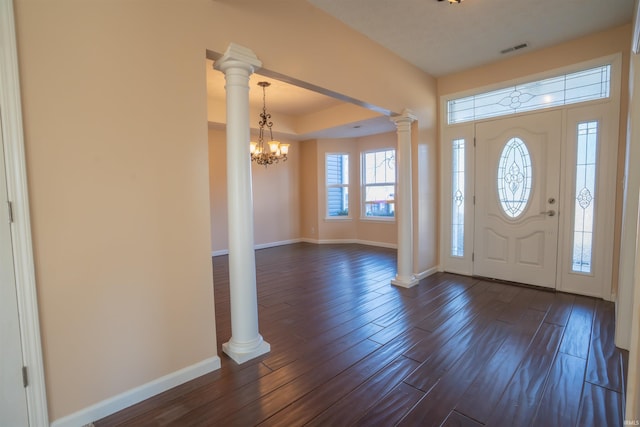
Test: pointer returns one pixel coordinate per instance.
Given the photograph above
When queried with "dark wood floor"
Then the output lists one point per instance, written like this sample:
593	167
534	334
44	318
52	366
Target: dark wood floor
347	348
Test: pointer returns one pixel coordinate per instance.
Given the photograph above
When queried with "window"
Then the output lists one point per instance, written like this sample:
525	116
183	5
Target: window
514	177
337	172
457	197
585	194
586	85
379	183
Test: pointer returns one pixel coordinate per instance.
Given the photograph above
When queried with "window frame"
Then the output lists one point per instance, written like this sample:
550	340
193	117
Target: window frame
341	185
364	186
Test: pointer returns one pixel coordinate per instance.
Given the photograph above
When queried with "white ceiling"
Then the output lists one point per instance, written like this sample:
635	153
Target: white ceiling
439	38
442	38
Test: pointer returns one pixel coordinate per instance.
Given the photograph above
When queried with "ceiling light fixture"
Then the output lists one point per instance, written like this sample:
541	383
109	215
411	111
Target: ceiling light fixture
275	151
453	1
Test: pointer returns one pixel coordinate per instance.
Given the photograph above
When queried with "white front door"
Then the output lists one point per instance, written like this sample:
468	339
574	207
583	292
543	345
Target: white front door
517	181
13	399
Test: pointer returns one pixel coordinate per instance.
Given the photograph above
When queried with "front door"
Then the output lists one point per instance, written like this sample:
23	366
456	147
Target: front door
13	399
517	181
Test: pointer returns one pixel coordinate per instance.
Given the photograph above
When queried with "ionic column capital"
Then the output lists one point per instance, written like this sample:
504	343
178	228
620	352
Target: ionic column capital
237	56
404	119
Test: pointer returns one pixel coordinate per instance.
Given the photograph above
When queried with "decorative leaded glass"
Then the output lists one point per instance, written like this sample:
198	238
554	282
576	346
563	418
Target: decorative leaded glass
567	89
457	198
585	193
514	177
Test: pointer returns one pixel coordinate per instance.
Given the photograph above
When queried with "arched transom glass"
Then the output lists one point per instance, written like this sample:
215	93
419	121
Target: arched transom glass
514	177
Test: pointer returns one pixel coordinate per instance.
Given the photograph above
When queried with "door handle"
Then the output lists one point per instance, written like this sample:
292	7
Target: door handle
550	212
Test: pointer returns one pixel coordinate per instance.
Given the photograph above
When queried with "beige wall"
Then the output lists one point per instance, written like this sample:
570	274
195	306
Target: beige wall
309	212
115	119
353	228
276	196
426	193
612	41
628	303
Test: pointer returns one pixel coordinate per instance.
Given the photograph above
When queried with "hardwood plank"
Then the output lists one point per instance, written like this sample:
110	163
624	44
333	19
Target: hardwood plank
447	387
560	309
450	328
561	400
519	401
577	335
338	331
600	407
453	306
390	409
483	395
261	399
355	404
421	313
482	338
327	394
604	364
456	419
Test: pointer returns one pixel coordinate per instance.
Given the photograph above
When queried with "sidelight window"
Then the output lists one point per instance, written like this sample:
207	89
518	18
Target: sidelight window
457	197
585	196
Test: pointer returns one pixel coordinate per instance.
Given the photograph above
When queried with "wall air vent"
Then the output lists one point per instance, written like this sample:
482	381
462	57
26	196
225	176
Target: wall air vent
514	48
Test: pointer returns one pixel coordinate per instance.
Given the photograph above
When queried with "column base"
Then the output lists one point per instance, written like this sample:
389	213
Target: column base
405	281
242	353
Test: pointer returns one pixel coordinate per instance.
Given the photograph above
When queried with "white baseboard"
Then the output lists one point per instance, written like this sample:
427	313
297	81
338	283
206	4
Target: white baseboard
260	246
138	394
428	272
280	243
346	241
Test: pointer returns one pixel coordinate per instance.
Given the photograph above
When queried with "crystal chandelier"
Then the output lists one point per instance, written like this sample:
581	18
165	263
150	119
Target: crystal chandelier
273	151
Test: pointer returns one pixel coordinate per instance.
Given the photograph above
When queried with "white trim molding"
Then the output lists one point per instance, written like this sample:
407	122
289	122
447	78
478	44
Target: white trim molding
138	394
347	241
635	40
428	272
260	246
13	138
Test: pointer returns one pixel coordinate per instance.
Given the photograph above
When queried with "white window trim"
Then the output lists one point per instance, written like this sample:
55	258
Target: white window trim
363	187
327	217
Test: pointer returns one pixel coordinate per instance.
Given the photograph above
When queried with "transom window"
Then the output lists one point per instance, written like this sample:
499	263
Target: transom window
514	177
337	172
586	85
379	183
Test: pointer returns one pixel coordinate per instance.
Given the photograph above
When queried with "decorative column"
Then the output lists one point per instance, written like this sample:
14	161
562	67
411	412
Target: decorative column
246	343
404	209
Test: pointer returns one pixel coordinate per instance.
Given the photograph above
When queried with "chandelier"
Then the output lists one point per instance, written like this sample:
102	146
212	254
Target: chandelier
273	151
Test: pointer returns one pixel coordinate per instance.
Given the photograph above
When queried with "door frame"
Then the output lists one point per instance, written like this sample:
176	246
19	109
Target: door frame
16	178
466	130
539	131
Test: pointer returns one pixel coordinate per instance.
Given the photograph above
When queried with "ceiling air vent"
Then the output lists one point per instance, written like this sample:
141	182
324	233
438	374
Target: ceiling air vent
514	48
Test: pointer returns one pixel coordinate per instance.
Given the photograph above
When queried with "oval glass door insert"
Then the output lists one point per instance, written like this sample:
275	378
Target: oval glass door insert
514	177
